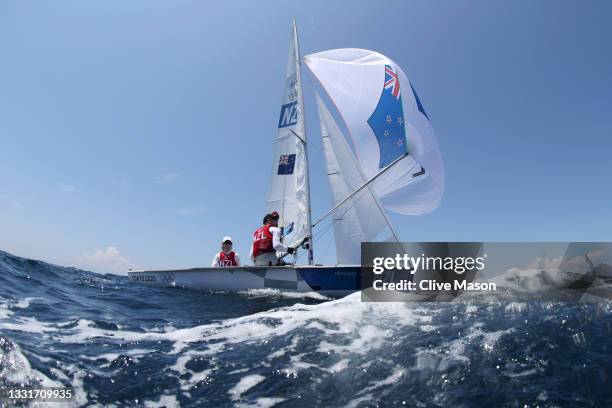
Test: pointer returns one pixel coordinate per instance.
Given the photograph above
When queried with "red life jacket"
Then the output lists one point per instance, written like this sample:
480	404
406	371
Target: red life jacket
262	241
227	260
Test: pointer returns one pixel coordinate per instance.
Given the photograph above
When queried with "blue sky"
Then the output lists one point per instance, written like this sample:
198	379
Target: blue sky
147	126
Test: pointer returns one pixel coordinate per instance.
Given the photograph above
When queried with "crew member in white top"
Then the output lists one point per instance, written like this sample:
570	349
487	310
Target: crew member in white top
267	241
226	257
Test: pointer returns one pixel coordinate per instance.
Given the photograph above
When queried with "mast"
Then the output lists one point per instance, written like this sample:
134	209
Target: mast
304	139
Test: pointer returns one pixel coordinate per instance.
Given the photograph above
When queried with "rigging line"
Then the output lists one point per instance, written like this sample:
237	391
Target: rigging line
298	136
323	231
384	214
364	185
299	255
320	235
353	203
345	208
327	248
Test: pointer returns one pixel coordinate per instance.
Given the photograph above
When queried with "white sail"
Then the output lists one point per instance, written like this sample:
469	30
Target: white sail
385	120
289	185
359	219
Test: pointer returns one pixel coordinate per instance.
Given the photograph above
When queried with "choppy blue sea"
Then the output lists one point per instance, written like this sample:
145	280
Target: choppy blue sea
121	344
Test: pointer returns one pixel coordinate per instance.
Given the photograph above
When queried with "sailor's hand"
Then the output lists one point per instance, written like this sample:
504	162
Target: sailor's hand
290	250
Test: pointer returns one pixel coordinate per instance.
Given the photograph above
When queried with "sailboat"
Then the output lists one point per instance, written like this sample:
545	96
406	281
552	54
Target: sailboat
381	155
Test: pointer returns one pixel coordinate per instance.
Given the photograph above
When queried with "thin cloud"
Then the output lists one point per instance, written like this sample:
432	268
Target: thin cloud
68	188
191	211
105	260
168	178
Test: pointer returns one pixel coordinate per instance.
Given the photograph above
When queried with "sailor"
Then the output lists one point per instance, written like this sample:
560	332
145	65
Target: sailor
226	257
267	241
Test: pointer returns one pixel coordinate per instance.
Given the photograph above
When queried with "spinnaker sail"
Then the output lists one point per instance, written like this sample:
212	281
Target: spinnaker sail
385	120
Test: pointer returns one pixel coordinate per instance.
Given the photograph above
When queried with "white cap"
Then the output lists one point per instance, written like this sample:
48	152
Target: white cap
227	239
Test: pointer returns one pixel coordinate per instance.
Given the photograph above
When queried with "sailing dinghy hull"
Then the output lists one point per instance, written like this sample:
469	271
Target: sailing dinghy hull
333	281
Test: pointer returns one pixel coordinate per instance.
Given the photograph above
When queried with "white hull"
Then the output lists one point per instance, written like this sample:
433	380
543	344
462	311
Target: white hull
326	280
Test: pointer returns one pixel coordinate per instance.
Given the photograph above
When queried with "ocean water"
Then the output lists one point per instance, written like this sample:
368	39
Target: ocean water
122	344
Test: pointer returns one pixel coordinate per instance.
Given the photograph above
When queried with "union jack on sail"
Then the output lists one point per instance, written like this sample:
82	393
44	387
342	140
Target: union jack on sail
393	82
286	164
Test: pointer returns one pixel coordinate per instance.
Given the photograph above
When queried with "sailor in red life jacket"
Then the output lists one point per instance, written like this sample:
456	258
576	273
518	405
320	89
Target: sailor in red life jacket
226	257
267	241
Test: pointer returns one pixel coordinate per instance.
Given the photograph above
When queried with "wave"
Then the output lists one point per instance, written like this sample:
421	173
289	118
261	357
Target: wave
125	344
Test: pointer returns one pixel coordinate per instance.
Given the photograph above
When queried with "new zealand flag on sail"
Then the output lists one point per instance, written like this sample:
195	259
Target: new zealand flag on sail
286	164
387	120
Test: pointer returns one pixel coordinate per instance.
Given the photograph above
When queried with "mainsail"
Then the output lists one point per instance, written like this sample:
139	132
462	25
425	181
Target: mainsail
289	194
385	122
